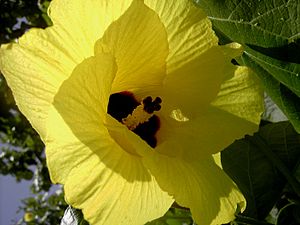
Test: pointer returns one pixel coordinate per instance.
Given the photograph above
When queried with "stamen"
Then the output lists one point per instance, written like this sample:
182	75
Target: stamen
150	106
142	113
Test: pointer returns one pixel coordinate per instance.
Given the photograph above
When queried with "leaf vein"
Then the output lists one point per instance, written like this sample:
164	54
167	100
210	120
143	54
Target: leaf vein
269	64
269	11
233	11
247	23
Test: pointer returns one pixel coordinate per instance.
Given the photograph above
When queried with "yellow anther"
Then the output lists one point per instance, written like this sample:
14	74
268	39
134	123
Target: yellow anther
138	116
142	113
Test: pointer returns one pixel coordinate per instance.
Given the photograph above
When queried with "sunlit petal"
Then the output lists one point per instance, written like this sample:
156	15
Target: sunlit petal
138	40
84	22
199	185
99	170
34	69
188	28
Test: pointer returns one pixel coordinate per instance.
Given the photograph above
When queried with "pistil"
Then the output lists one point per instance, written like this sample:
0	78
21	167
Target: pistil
142	113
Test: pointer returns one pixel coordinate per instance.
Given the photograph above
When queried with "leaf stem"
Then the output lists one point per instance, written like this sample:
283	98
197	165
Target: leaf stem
261	143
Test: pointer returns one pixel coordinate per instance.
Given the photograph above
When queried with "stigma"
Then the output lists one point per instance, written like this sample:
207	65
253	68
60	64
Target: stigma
142	113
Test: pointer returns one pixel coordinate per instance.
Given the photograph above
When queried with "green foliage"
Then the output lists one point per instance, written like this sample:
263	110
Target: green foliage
20	15
44	209
289	215
22	151
268	23
175	216
284	97
250	163
262	165
21	148
22	156
269	31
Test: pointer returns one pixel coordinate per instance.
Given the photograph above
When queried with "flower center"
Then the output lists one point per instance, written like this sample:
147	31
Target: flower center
138	117
142	113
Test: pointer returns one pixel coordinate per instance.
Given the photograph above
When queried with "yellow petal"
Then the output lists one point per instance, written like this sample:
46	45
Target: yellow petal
199	185
138	41
34	69
241	96
196	64
85	21
81	104
188	29
128	140
198	138
235	112
110	185
36	66
192	87
113	187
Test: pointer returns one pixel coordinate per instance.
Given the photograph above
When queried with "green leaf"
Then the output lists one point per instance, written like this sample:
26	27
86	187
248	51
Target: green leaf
244	220
267	23
174	216
257	177
290	214
285	72
269	30
286	100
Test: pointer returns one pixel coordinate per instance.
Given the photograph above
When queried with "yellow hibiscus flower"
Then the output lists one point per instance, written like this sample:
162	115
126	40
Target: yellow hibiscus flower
132	98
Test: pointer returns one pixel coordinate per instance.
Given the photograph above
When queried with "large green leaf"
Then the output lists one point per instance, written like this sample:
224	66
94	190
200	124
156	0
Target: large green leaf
256	176
281	95
269	30
287	73
265	23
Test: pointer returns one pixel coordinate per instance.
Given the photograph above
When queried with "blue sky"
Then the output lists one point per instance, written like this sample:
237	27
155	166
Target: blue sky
11	194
